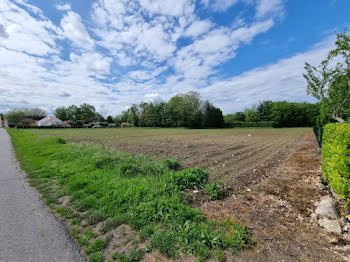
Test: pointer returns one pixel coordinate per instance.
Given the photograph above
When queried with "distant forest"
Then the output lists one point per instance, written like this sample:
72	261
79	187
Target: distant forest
183	110
277	114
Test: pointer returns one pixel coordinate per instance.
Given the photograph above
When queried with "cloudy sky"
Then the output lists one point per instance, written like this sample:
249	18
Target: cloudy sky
112	53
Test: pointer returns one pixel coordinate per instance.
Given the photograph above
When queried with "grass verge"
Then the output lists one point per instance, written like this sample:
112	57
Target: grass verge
106	189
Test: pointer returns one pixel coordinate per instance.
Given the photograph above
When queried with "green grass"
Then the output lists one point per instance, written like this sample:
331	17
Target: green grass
115	188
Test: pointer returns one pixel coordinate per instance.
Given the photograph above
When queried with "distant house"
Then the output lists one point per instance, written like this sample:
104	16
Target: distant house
125	124
50	121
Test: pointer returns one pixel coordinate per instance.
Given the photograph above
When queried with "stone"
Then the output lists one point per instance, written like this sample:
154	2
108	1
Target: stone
320	186
326	208
333	240
346	237
331	226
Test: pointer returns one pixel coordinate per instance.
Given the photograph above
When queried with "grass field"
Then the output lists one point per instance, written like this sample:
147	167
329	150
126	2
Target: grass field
234	156
121	206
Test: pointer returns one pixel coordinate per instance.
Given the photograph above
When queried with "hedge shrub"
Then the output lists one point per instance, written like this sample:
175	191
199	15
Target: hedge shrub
252	124
336	158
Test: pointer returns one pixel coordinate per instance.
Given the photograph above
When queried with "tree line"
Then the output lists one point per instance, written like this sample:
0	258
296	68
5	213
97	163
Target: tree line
182	110
283	113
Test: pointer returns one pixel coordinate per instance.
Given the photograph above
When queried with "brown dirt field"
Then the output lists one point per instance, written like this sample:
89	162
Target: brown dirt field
278	211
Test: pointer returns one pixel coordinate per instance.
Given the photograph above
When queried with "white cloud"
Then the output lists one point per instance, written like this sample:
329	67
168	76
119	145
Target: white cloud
246	34
25	33
63	7
156	41
74	30
269	7
93	62
280	81
198	27
168	7
3	32
219	5
153	97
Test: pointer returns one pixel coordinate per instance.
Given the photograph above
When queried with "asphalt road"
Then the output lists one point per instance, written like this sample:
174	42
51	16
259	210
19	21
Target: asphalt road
28	231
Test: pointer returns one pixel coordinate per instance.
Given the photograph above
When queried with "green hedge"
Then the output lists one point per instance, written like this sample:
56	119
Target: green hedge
336	158
251	124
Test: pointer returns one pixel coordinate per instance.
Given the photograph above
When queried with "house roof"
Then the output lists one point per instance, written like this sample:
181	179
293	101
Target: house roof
47	119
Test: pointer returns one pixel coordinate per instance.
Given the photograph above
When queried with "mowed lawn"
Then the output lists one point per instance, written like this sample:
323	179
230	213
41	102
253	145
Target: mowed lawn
235	156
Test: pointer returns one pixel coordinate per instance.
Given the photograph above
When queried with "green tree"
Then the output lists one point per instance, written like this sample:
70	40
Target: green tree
251	116
110	119
133	115
87	113
212	116
36	113
73	113
16	116
61	113
236	117
329	82
175	109
117	120
264	110
192	115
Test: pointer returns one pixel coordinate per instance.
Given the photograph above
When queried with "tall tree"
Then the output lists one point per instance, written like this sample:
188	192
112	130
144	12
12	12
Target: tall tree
36	113
110	119
264	110
61	113
133	115
330	81
175	108
73	113
212	116
192	116
87	112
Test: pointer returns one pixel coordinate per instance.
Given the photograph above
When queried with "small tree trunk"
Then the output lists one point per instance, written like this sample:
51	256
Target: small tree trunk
339	119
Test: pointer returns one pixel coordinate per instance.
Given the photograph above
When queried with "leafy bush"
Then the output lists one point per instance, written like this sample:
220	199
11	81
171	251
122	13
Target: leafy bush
172	164
61	141
336	158
192	178
216	191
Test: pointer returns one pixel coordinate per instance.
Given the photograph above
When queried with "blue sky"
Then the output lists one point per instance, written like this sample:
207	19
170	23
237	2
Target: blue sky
113	53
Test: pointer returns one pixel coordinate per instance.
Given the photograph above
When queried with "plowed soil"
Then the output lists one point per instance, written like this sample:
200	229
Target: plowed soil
279	209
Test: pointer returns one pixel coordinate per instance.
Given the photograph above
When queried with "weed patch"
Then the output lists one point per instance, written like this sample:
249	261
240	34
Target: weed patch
216	191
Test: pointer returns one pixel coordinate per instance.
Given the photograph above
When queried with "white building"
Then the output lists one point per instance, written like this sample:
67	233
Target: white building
49	121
